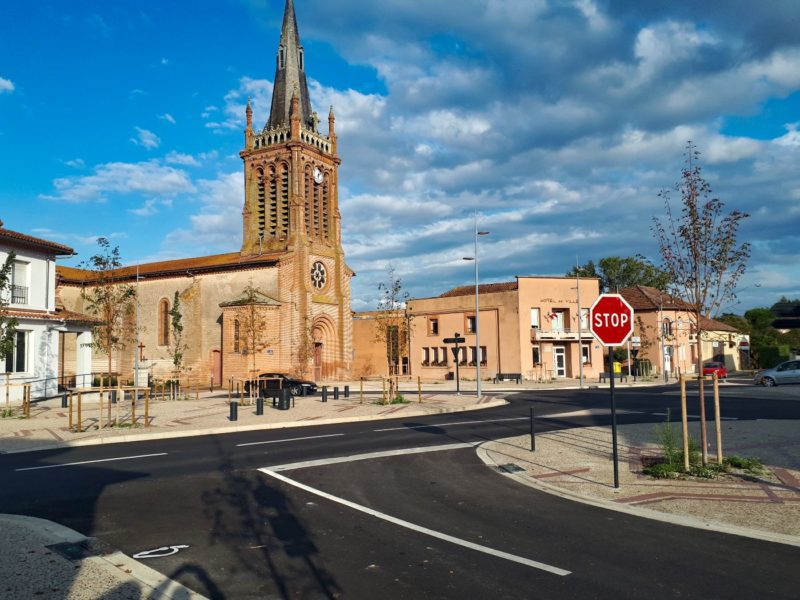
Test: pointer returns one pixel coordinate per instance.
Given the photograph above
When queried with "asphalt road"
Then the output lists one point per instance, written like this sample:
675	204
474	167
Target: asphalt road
381	526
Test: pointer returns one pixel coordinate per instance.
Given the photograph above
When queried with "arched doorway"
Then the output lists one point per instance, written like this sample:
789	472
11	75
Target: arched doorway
324	339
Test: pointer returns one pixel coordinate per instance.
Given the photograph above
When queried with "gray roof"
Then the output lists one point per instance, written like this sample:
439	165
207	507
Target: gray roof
290	75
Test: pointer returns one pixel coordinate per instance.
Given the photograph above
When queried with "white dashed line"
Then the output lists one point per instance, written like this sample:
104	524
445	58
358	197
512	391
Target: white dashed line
88	462
312	437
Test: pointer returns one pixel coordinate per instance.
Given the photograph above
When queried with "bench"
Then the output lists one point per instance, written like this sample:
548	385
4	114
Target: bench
508	377
618	376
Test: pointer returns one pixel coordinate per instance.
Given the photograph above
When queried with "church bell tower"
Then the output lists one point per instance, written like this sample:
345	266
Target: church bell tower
290	168
291	212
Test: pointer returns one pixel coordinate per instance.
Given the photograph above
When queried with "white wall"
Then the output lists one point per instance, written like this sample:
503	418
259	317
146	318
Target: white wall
40	279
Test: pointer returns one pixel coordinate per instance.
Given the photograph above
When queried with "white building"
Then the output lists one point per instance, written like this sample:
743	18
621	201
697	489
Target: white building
41	324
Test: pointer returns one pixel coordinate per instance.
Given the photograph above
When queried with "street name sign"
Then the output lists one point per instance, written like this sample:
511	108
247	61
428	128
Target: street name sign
611	319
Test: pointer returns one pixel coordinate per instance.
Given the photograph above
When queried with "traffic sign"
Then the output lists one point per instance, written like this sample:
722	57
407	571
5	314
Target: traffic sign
611	319
454	340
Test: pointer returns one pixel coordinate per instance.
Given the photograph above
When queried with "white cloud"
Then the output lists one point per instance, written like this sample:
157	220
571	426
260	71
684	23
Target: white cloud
146	210
791	137
77	163
146	139
6	86
176	158
167	117
120	179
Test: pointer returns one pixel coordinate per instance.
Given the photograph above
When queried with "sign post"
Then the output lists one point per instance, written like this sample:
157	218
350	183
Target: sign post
611	322
456	339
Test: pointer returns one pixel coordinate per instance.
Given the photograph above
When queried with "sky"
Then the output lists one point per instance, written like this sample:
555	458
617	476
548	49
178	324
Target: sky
557	122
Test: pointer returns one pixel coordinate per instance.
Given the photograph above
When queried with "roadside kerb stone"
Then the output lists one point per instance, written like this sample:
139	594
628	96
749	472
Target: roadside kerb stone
576	464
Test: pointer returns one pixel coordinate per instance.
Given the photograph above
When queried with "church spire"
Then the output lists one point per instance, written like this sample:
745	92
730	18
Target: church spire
290	75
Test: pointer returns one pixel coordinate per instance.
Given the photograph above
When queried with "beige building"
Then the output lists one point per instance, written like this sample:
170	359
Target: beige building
668	334
531	327
291	254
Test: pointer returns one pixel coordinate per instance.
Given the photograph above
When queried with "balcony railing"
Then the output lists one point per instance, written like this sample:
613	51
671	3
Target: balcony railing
19	294
538	335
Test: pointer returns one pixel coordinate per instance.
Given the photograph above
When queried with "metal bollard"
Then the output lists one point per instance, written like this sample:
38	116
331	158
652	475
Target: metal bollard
347	391
113	394
64	403
336	392
259	406
284	399
324	393
234	411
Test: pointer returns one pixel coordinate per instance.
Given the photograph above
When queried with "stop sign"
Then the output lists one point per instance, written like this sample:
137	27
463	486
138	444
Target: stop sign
611	319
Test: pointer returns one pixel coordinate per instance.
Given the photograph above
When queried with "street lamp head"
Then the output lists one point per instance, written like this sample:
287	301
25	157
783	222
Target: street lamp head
483	233
468	258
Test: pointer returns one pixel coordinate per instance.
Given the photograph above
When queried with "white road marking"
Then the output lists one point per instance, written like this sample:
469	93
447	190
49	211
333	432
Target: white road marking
311	437
88	462
589	412
708	417
370	455
159	552
418	528
451	424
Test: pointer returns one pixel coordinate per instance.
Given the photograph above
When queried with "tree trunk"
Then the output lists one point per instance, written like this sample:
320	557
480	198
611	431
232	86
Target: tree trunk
701	391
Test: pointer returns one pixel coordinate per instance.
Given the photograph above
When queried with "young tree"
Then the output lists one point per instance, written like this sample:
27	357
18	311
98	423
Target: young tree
177	347
112	302
700	252
8	324
253	323
617	272
392	323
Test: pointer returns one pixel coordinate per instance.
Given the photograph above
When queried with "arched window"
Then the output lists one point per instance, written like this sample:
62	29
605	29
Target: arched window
163	322
236	336
666	327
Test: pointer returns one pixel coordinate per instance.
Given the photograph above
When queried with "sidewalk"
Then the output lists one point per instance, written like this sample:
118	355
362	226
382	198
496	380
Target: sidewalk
577	464
51	561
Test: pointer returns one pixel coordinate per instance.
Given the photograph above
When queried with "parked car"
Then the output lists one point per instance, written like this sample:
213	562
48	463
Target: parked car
715	367
786	372
274	381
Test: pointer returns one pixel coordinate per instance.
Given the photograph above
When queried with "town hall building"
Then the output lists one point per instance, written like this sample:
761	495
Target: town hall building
289	277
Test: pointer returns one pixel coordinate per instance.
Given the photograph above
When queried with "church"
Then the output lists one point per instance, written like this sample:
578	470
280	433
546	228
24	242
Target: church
289	281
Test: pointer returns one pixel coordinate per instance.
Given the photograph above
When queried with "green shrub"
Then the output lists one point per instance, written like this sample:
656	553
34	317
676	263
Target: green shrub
669	441
749	464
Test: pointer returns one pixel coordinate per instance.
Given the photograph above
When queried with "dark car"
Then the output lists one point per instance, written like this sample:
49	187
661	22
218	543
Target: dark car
715	367
276	381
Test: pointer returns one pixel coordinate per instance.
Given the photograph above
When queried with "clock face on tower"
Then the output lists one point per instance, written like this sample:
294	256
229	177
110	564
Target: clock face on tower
317	175
319	276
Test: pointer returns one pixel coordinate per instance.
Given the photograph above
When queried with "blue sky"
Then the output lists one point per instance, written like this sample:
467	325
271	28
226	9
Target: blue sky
558	120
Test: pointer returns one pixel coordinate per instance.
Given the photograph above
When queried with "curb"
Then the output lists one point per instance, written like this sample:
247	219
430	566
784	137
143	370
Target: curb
121	439
119	565
681	520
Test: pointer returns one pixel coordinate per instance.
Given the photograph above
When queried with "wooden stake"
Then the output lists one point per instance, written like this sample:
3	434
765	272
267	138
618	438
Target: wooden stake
71	424
134	397
684	424
100	420
80	420
147	408
361	390
717	417
419	389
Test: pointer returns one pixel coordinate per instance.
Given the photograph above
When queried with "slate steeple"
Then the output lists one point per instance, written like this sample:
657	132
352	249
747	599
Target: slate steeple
290	75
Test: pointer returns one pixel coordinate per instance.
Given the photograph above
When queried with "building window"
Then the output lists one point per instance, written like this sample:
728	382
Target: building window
535	318
584	319
163	322
586	354
426	357
666	327
536	355
16	360
462	355
443	362
19	282
433	326
470	325
236	335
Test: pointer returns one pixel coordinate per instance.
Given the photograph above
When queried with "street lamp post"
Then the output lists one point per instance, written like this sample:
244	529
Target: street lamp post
478	356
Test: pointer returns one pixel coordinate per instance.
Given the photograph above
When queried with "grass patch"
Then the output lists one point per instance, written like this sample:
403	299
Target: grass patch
7	412
745	463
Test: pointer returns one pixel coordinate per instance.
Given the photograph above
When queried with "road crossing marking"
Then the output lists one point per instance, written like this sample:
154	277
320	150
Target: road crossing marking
311	437
88	462
418	528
